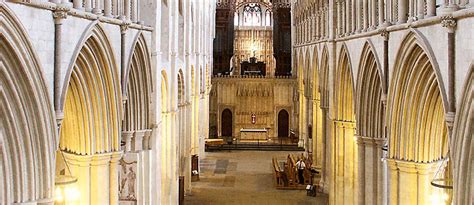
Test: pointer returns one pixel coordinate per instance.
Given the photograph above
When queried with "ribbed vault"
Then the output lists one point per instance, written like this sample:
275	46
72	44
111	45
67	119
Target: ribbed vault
27	126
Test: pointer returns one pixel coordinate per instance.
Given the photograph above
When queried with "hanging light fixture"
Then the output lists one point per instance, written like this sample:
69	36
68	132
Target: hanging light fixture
65	186
443	182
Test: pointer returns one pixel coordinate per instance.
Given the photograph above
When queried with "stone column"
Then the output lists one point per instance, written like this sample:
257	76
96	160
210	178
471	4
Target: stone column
450	24
137	140
325	165
431	8
354	16
348	17
381	13
361	170
77	4
113	179
373	14
127	137
97	9
59	15
402	11
381	171
360	20
421	9
366	15
127	10
393	182
108	8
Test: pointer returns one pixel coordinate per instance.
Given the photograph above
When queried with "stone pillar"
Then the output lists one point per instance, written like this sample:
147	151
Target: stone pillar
88	5
325	165
127	10
360	20
402	11
381	13
431	8
421	9
100	189
361	170
137	140
366	15
113	179
108	8
59	15
77	4
381	171
353	16
97	9
450	24
393	182
373	14
127	137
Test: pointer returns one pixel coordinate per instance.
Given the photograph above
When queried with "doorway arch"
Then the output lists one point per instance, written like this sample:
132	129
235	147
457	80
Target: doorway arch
226	123
283	123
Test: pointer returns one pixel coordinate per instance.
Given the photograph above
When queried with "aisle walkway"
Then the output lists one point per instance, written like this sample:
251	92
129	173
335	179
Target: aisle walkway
243	178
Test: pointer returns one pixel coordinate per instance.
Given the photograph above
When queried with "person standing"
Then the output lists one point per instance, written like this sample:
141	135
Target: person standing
300	166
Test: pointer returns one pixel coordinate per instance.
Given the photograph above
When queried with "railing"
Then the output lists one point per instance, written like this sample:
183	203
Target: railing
122	9
280	143
255	76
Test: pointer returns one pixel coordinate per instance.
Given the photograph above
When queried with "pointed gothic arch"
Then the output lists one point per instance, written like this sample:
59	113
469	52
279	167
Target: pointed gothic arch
370	126
418	134
344	150
137	90
462	144
317	122
92	112
27	127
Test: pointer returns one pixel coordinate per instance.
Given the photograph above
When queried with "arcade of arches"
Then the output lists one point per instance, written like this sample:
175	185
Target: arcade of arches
117	101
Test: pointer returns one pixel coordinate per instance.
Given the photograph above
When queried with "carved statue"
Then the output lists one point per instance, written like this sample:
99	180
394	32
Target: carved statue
131	177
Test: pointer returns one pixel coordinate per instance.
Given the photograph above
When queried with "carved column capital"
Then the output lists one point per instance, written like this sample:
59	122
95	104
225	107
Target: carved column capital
449	23
124	27
385	34
60	13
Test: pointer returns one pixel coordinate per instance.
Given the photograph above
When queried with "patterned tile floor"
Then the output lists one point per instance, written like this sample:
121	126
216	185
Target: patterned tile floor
243	178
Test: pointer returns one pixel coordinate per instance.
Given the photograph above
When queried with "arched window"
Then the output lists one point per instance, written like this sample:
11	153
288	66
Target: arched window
252	15
236	19
267	18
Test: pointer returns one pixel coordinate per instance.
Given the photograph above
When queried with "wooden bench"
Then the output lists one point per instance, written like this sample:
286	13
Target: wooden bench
279	174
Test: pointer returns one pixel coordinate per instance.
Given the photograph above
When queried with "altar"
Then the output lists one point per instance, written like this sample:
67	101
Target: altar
253	134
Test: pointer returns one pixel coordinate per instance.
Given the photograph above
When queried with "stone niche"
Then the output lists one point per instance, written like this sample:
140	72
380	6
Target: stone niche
250	102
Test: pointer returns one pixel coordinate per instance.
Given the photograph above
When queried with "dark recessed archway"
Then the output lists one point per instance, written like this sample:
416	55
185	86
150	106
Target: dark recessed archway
226	121
283	124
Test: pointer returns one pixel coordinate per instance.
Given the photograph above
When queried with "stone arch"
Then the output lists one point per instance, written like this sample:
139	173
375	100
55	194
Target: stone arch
369	95
93	87
417	131
317	122
92	111
370	127
227	123
27	126
137	89
166	140
283	123
462	144
181	88
344	152
324	82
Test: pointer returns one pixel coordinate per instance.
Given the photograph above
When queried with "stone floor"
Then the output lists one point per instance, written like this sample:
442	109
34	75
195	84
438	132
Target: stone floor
243	178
